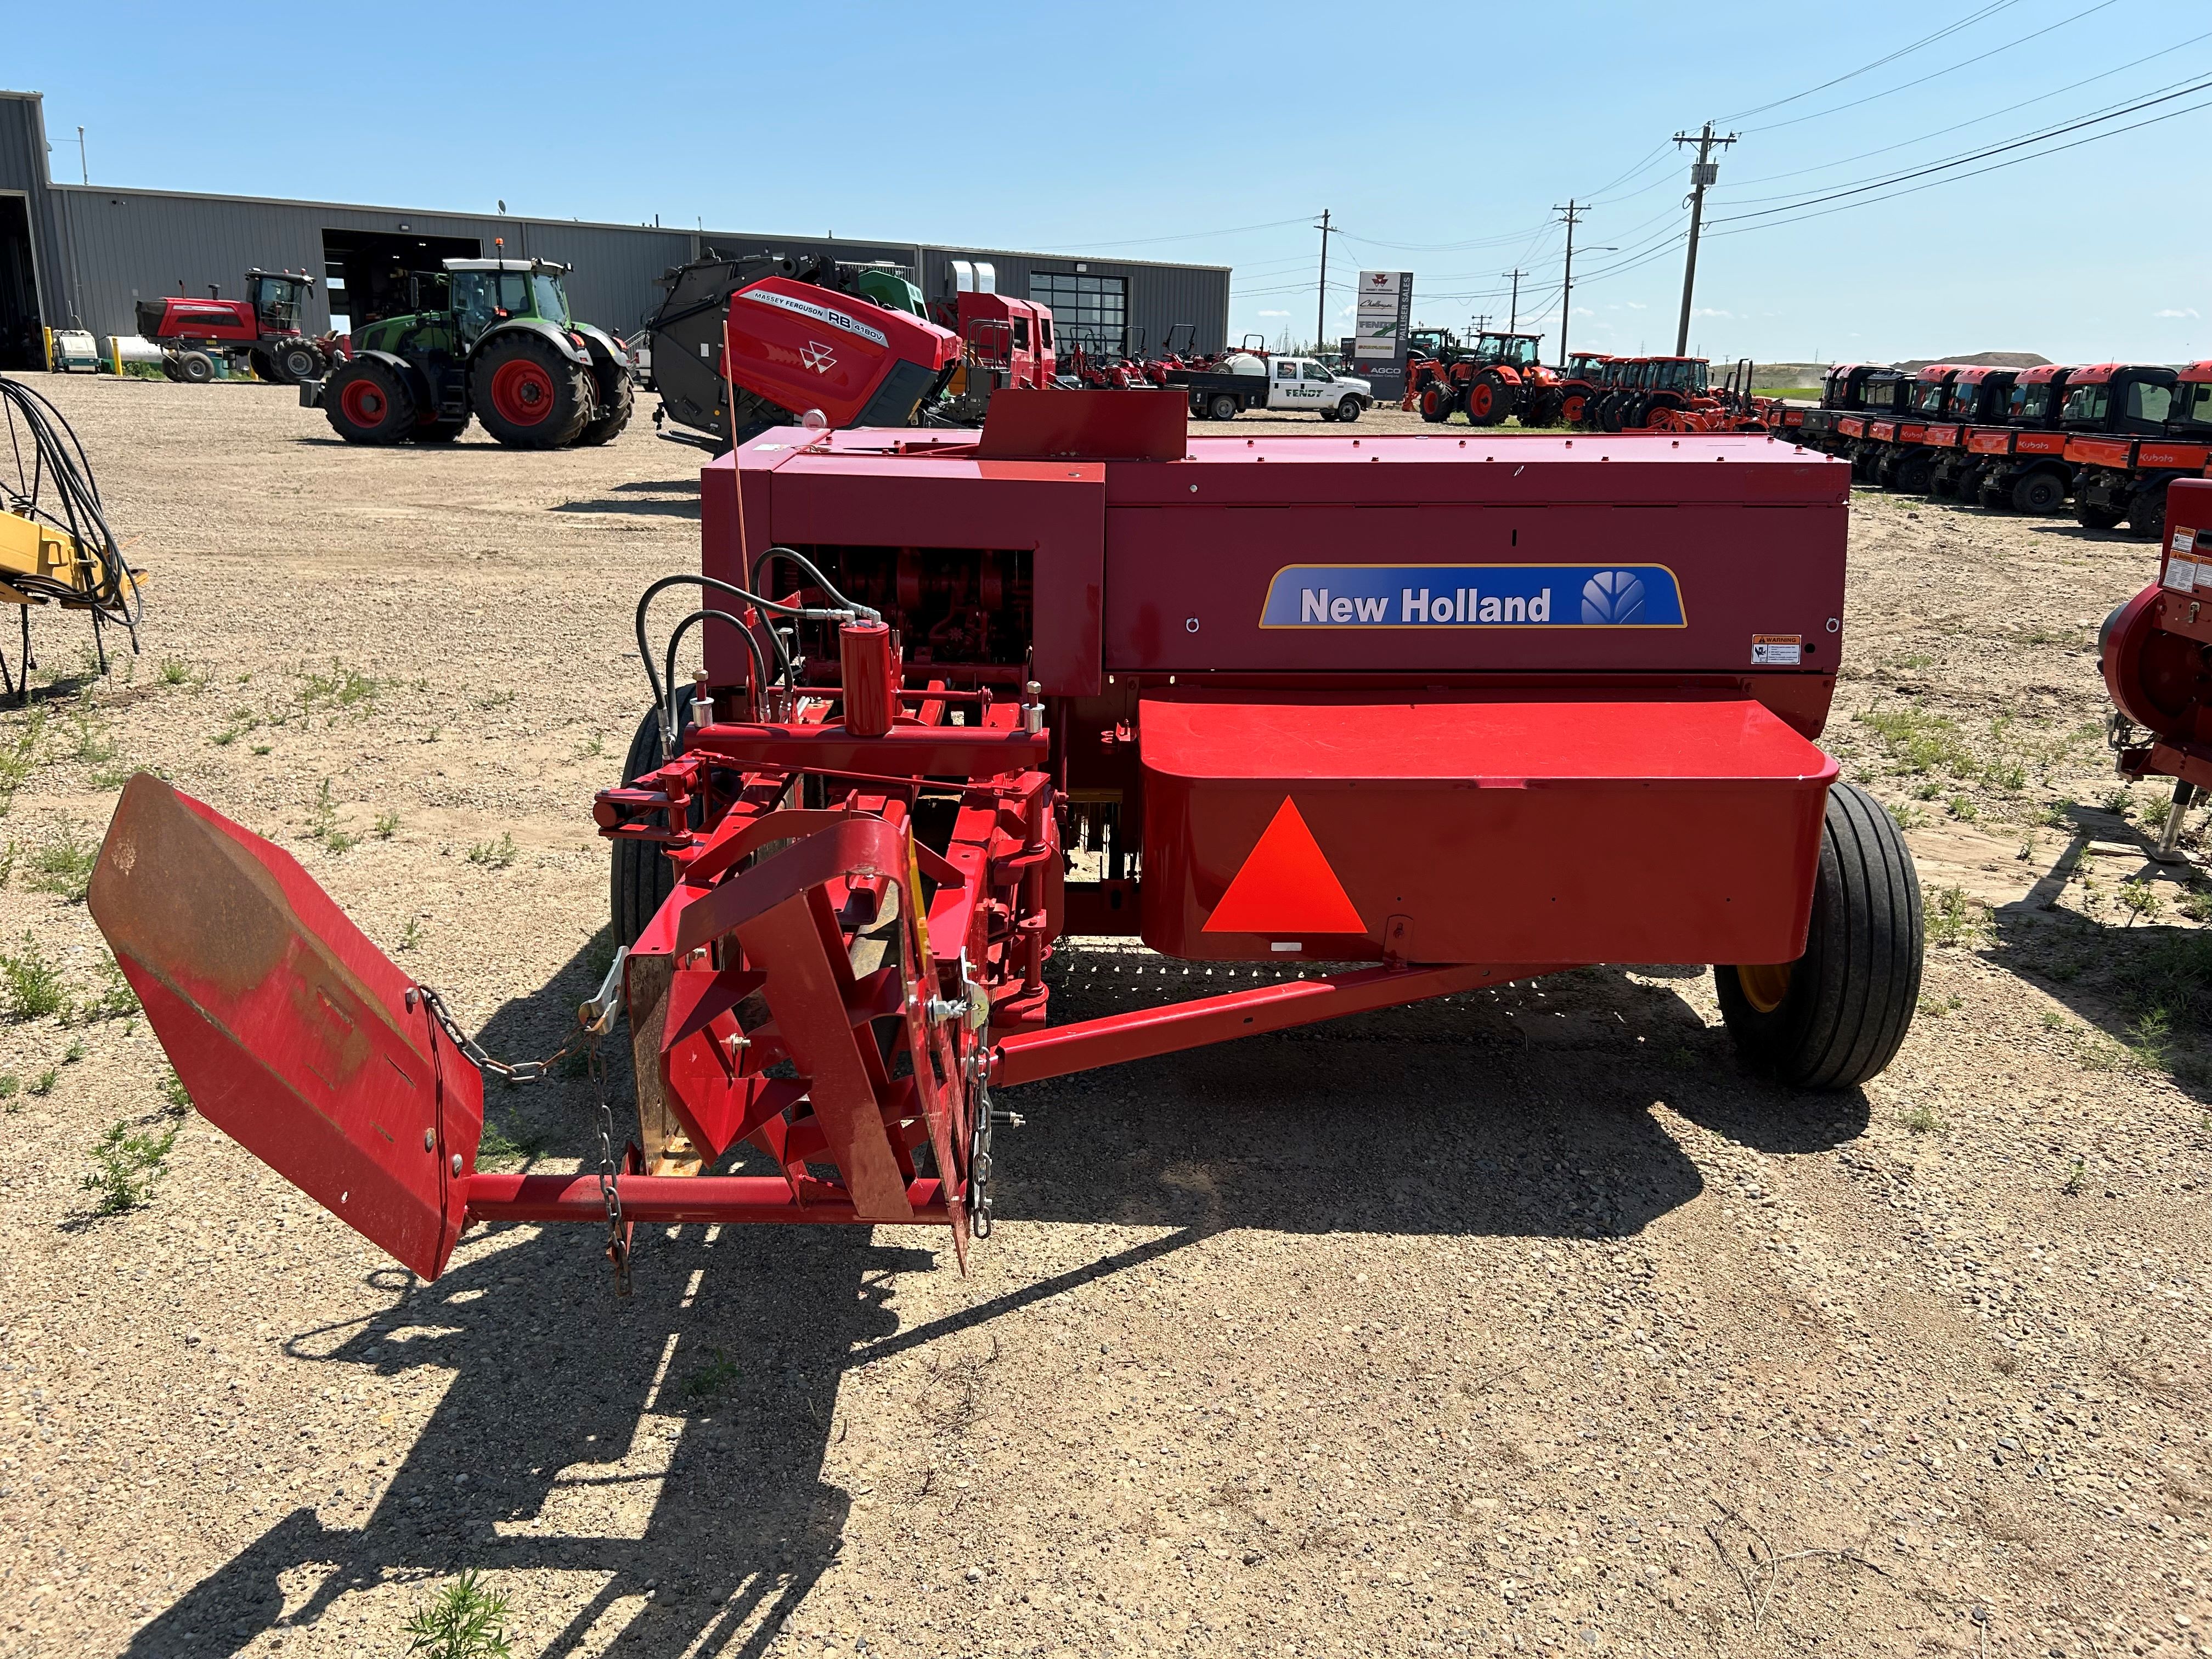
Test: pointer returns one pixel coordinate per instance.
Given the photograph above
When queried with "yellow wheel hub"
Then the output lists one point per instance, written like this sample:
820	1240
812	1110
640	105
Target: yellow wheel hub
1765	986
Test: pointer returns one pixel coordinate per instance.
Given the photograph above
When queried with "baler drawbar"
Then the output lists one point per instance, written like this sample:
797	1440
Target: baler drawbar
1419	715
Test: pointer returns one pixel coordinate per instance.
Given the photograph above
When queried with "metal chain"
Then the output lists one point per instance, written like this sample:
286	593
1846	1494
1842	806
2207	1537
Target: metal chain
979	1161
610	1175
593	1020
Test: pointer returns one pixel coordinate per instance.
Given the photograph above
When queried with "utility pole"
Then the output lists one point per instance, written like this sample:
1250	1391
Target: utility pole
84	170
1321	297
1514	323
1570	213
1701	174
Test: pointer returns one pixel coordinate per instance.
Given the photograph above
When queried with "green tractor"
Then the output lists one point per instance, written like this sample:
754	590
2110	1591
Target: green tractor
490	338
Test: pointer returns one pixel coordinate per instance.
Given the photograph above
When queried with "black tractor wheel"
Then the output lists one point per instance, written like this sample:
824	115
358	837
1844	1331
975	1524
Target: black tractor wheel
2146	514
611	415
2095	517
1575	406
1222	407
642	878
368	402
1614	414
265	365
195	367
2040	491
441	432
527	392
1489	401
1435	405
1542	409
1834	1017
299	363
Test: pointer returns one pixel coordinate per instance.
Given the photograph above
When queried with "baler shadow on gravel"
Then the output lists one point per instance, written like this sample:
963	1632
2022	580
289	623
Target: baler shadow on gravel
1456	712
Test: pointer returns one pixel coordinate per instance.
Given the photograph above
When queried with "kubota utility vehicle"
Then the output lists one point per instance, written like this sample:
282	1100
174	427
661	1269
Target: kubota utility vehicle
1842	391
2112	409
2021	464
1976	396
262	329
2140	470
490	338
1564	712
1894	452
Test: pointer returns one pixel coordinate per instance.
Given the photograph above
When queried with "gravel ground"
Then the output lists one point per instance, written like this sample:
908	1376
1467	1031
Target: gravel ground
1520	1323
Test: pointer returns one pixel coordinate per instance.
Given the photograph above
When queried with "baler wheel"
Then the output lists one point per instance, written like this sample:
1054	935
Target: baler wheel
527	394
642	877
366	403
1834	1017
2095	517
1222	407
2040	491
195	367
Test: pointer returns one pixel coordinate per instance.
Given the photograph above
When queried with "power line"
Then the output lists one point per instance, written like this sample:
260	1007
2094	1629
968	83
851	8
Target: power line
1994	166
1836	109
1791	203
1972	18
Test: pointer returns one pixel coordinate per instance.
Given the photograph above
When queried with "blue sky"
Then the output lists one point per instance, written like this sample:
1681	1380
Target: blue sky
1440	138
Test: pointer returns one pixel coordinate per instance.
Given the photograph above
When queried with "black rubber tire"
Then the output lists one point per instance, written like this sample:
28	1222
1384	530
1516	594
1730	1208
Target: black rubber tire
1613	413
195	367
2040	491
441	432
1850	997
571	390
1221	407
642	878
1435	404
1348	410
2095	517
299	361
610	414
1543	408
393	419
265	366
1911	474
2146	514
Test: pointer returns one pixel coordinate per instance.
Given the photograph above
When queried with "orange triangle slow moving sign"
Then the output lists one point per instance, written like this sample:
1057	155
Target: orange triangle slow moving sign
1285	886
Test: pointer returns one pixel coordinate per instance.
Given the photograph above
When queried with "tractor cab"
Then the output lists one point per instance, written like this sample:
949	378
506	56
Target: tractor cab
1687	375
278	298
2123	397
1514	350
1439	344
1590	366
480	293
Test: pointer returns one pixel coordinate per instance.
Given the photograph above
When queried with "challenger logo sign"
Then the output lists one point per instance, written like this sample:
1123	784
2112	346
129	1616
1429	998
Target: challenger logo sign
1473	596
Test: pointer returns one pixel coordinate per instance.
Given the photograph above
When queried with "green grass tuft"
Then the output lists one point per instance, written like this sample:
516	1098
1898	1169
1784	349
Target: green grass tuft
126	1166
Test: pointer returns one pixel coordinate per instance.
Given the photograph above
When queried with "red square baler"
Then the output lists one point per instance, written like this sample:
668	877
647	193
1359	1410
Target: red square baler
1441	712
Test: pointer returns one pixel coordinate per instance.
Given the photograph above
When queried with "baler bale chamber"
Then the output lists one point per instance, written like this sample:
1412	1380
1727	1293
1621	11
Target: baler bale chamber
1439	713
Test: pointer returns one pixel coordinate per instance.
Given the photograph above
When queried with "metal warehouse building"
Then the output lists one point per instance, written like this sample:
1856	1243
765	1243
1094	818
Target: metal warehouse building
79	256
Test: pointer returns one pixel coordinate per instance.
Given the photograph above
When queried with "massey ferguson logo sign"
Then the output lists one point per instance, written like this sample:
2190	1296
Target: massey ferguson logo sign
819	357
820	314
1473	596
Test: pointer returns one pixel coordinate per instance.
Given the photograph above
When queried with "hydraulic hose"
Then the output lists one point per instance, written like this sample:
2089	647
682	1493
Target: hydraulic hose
672	720
715	584
813	574
56	461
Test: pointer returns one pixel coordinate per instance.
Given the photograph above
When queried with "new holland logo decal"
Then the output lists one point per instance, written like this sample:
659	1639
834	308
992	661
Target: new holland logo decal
1473	596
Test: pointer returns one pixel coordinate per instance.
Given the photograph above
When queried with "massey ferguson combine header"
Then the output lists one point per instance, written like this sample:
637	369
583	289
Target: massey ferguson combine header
1400	716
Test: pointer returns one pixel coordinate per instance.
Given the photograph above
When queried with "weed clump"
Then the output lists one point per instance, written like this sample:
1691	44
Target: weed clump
126	1166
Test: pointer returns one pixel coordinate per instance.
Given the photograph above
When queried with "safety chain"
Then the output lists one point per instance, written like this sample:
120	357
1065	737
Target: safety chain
979	1163
593	1020
609	1175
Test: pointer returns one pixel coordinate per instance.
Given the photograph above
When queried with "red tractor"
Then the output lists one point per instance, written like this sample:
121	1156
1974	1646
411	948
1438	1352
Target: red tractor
262	329
1586	377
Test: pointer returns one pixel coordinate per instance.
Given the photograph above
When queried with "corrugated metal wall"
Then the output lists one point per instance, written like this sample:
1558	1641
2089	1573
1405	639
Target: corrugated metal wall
102	250
23	167
1160	297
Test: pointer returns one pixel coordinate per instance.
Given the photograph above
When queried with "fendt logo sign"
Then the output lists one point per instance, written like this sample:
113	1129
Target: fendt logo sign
1473	596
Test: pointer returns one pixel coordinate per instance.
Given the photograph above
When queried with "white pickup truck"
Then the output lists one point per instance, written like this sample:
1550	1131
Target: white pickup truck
1246	380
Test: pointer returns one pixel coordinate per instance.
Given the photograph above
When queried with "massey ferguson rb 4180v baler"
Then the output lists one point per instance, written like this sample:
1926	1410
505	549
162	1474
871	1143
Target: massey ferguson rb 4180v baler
1400	716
